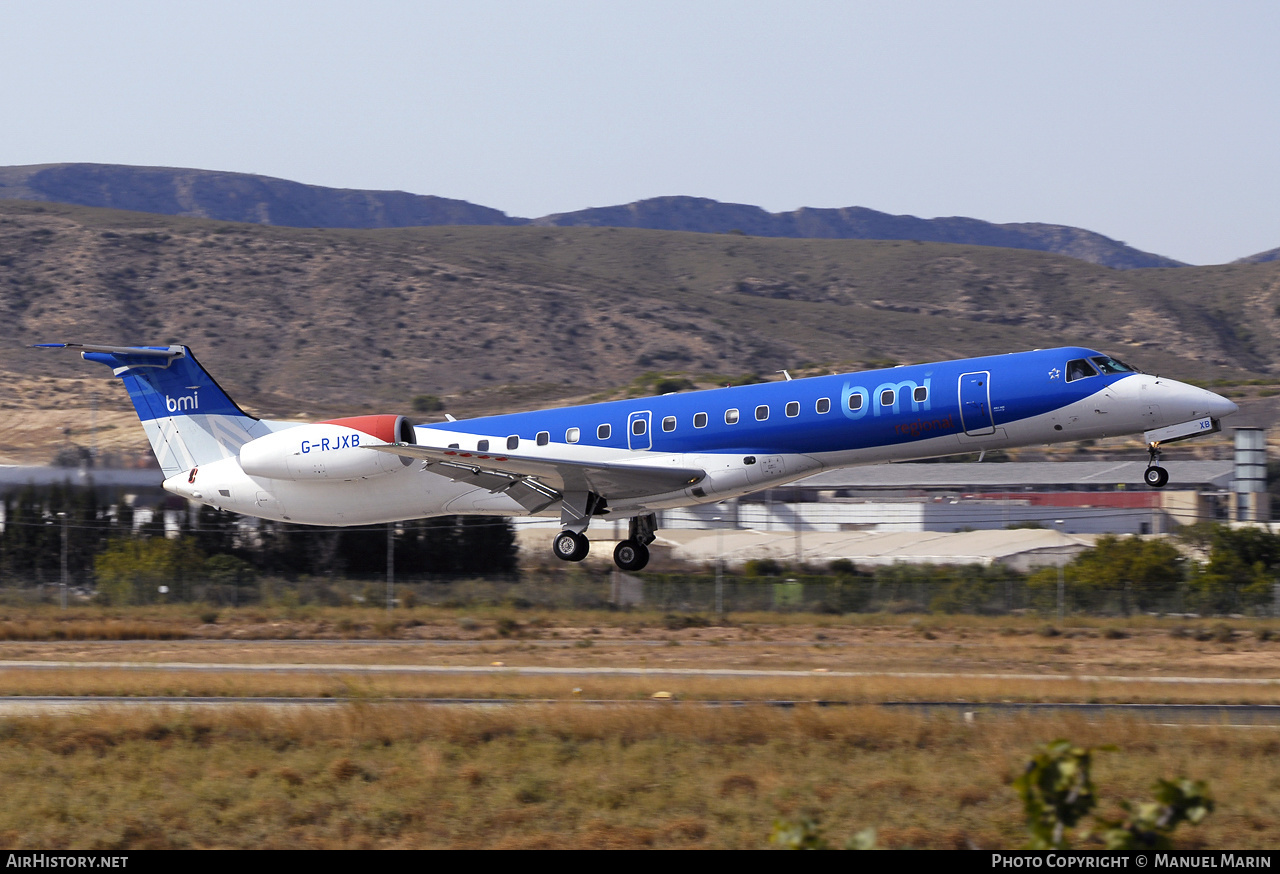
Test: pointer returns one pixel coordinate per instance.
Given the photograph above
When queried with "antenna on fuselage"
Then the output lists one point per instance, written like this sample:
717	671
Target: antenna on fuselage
784	373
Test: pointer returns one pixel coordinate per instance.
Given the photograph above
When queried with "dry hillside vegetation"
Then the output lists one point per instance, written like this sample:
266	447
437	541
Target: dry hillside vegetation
309	323
493	317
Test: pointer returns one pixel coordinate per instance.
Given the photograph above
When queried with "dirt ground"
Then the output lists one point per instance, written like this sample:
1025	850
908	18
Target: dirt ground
929	645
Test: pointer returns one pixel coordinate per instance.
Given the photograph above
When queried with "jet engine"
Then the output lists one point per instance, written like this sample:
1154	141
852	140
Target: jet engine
332	450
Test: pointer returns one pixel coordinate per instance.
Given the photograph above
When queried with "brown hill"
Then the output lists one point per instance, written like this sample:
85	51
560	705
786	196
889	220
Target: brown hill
856	223
315	322
243	197
1261	257
237	197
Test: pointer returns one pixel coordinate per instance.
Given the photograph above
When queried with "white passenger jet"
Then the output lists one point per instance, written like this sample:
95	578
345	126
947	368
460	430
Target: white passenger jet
627	459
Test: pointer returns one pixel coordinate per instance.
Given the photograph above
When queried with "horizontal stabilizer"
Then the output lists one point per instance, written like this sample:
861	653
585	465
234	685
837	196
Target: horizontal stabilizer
145	351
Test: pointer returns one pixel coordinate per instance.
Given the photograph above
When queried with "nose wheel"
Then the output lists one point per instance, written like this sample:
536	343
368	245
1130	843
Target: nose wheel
1155	475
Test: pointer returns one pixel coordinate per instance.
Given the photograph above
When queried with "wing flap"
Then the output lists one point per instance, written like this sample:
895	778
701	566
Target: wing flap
535	477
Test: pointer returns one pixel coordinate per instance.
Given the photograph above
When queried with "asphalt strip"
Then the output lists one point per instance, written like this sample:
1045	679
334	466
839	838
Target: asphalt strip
534	671
1171	715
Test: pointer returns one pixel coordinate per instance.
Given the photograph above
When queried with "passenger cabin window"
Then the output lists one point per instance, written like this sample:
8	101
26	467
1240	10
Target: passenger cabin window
482	446
602	433
793	409
1079	369
824	404
731	417
669	423
454	446
573	435
762	412
544	437
886	398
699	420
513	442
637	427
855	401
1109	365
920	395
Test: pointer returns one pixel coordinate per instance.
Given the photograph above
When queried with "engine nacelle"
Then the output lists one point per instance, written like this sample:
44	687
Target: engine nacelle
331	450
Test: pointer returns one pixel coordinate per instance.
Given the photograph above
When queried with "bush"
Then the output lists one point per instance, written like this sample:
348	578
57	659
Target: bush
427	404
672	384
762	567
131	571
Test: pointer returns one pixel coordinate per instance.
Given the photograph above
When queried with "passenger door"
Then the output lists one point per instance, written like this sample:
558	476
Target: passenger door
975	403
639	430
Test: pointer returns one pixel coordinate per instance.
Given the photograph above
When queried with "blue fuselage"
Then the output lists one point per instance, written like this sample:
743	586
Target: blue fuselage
821	414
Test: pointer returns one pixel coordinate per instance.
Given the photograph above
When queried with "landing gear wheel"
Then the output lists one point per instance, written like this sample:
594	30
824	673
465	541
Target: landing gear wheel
569	546
631	556
1156	477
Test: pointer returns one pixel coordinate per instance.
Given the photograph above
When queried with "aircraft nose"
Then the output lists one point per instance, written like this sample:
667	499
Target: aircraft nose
1196	402
1220	406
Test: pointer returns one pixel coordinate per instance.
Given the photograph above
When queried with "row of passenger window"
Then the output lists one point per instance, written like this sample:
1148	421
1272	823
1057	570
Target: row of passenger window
700	420
732	416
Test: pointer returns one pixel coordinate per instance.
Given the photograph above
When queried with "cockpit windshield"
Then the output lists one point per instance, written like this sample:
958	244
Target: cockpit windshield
1109	365
1079	369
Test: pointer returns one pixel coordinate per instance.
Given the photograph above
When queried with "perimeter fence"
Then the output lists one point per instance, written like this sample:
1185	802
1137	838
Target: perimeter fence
972	591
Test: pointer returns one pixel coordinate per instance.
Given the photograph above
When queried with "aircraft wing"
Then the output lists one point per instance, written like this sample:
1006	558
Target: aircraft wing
538	482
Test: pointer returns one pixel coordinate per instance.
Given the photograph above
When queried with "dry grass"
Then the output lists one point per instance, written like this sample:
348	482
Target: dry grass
574	776
379	774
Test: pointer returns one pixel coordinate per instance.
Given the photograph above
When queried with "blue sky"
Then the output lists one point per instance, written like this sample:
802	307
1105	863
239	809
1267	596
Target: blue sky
1156	123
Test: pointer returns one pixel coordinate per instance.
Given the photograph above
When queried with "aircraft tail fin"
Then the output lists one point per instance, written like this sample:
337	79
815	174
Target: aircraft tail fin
188	418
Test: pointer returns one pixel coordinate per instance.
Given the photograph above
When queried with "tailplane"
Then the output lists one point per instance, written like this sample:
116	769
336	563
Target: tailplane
188	418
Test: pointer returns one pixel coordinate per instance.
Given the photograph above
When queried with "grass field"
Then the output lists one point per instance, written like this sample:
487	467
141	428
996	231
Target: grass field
580	777
638	773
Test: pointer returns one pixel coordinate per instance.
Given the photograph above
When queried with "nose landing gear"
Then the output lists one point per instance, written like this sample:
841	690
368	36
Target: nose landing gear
1155	475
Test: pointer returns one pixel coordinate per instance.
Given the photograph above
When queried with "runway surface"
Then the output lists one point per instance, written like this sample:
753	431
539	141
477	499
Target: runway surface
516	670
1236	715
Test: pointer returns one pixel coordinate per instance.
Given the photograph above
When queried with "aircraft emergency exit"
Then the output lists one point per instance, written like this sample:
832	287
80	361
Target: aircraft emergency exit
627	459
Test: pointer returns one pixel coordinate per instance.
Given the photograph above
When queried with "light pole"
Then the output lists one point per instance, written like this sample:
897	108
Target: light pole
1062	581
799	526
391	563
63	592
719	566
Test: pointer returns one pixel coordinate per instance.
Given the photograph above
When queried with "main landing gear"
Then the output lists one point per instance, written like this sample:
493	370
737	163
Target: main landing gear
1155	475
631	554
571	546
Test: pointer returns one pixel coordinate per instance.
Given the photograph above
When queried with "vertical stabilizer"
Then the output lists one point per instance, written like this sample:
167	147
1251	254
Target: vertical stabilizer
188	418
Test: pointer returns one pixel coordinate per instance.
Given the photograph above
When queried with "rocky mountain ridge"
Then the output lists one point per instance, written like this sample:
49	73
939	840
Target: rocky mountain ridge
243	197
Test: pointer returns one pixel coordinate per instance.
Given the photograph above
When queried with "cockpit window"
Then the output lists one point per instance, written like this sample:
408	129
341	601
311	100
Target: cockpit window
1079	369
1109	365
